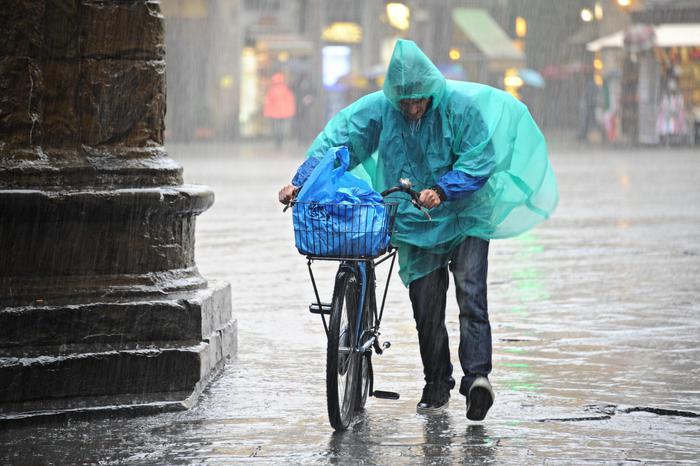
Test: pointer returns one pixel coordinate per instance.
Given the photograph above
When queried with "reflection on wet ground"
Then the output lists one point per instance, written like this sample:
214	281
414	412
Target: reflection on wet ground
595	320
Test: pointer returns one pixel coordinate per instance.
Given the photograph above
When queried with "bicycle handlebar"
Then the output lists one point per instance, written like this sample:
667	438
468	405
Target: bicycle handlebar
404	189
405	186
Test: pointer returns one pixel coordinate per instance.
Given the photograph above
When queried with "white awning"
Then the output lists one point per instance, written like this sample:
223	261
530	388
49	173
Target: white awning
615	40
667	35
677	35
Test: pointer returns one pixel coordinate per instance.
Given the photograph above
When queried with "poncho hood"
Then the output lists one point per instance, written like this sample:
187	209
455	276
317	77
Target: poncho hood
411	75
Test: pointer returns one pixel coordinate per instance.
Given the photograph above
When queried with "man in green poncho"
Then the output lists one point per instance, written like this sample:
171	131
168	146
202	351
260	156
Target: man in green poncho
480	164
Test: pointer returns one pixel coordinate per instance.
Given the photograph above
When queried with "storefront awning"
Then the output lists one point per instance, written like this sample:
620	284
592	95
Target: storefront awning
666	35
615	40
481	29
677	35
282	42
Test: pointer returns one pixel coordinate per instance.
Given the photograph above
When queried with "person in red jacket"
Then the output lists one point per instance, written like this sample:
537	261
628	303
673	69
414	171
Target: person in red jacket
280	107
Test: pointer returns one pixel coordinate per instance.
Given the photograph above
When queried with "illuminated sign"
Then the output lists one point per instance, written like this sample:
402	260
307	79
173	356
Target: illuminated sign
343	32
336	63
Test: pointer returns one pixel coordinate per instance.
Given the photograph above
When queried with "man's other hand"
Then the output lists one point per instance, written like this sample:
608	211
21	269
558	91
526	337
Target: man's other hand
429	198
287	193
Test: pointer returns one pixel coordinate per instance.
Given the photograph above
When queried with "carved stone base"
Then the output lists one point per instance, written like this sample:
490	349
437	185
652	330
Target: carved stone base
134	356
101	305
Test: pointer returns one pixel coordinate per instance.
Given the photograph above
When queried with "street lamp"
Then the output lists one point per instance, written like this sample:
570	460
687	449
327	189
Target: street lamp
399	15
520	26
598	11
586	15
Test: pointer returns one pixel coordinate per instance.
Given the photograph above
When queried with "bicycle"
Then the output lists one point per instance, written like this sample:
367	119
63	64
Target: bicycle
353	317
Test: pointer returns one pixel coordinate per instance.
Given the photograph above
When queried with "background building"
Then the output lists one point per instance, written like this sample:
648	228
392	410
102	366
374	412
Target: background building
649	71
222	54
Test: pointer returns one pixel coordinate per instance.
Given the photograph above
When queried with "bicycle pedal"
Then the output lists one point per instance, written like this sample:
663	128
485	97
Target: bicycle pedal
324	308
385	395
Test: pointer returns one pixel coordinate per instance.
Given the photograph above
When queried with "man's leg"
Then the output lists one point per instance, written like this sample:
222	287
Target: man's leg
470	268
428	297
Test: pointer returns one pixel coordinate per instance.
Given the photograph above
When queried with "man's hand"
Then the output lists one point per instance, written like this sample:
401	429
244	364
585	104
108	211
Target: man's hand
429	198
287	193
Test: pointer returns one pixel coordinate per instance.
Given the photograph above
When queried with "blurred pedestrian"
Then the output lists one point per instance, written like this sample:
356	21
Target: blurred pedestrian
303	122
588	105
671	120
280	107
480	164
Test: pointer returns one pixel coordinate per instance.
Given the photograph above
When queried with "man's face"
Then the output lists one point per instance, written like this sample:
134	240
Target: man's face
413	109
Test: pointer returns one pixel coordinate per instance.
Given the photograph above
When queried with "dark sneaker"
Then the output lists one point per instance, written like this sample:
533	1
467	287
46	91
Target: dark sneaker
435	399
479	399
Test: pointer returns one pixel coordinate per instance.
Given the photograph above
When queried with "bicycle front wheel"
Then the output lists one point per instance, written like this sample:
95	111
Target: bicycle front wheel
365	373
341	359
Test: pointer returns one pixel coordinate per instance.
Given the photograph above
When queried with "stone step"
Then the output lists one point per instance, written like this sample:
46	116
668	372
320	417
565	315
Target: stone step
116	372
62	410
171	317
95	407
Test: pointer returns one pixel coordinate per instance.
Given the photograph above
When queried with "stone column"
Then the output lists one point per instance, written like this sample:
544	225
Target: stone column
101	303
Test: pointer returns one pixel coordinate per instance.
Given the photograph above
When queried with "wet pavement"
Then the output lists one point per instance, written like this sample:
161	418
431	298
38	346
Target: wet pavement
596	329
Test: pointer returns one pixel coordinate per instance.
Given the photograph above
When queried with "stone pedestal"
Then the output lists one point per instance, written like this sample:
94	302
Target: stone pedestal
101	304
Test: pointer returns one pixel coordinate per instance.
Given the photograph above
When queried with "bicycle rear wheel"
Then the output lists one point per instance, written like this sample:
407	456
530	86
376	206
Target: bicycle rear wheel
341	361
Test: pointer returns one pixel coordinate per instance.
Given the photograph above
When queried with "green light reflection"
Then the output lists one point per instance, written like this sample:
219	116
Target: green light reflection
520	386
529	287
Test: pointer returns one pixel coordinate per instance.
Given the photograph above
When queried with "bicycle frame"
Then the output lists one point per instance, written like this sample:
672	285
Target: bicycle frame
367	286
357	236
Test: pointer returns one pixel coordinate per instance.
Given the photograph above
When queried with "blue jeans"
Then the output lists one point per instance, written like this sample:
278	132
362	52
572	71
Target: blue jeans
469	266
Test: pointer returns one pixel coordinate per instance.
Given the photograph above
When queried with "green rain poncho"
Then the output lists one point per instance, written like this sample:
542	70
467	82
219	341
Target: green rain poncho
476	129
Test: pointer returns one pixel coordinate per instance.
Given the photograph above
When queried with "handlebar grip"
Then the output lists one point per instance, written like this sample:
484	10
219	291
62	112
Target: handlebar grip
415	198
291	202
414	194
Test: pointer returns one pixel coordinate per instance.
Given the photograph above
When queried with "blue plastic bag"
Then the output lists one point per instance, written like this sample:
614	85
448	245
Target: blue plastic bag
339	215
